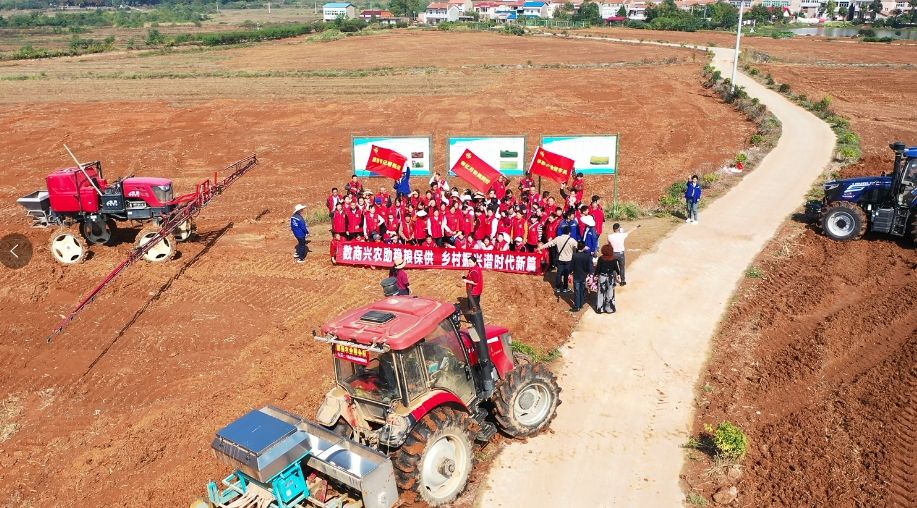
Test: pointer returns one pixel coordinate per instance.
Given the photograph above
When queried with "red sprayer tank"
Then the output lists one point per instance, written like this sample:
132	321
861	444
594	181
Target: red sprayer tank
70	191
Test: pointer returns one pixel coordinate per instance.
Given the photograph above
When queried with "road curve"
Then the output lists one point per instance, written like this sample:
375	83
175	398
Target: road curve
628	379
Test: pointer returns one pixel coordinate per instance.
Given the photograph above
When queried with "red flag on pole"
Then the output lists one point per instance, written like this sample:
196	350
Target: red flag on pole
551	165
385	162
475	171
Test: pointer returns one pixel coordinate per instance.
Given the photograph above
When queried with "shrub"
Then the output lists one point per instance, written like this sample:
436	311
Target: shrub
866	32
511	29
328	36
756	139
769	80
754	273
729	440
783	88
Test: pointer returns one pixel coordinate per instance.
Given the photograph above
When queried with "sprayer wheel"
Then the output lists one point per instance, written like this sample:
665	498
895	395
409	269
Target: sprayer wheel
68	248
163	251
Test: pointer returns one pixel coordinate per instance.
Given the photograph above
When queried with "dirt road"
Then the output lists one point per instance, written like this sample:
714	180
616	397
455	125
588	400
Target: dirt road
628	378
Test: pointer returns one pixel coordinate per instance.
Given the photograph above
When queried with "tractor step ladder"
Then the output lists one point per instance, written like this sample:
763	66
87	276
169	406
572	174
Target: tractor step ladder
189	206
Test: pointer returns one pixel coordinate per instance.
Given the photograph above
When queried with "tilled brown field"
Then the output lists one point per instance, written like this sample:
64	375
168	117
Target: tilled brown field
120	409
817	360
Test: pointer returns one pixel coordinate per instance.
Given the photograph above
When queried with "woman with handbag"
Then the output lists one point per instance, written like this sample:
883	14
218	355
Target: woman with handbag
608	272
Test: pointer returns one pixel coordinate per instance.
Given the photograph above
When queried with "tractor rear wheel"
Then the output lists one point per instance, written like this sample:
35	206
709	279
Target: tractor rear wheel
68	248
843	220
436	459
159	253
526	400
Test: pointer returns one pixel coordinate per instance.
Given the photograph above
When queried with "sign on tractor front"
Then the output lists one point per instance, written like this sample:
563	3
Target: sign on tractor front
351	354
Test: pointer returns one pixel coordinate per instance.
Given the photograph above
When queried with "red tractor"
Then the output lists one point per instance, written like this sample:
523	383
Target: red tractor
82	196
415	389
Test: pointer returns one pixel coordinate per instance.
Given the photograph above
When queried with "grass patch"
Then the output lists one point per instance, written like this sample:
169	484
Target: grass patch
693	498
535	354
730	440
754	272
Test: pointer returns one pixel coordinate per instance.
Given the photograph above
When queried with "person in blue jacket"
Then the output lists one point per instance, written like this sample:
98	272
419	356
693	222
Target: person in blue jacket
301	231
571	222
590	236
403	185
692	198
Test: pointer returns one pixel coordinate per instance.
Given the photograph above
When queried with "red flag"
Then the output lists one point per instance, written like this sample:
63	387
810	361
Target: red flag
551	165
385	162
475	171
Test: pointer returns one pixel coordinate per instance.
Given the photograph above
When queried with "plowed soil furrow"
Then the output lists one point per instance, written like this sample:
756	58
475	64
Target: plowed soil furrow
903	464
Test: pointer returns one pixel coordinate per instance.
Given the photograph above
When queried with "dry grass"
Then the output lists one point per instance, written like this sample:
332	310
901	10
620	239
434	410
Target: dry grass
10	409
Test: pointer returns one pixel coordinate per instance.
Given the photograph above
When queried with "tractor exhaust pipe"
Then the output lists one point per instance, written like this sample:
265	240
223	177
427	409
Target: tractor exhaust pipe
898	147
476	317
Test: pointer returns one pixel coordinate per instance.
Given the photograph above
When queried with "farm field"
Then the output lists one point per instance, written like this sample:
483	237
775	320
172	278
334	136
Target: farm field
815	360
135	388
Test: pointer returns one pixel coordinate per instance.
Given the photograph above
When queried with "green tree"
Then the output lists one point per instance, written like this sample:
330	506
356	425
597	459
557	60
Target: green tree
565	12
723	15
830	9
913	4
408	8
589	12
622	11
759	13
875	7
842	12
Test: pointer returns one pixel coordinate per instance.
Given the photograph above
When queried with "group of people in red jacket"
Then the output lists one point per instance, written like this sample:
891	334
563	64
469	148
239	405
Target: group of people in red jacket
505	218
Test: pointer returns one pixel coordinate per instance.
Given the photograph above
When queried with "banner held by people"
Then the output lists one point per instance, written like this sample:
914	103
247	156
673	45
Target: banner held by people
551	165
475	171
386	162
418	256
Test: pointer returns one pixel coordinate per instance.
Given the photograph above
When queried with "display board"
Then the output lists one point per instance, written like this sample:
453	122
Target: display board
417	149
593	154
506	154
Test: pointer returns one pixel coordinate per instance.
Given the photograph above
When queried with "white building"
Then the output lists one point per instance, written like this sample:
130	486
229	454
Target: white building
335	10
535	10
438	12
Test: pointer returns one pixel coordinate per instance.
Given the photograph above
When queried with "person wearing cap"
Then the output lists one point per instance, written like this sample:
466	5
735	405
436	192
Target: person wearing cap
301	231
401	277
421	226
590	237
474	283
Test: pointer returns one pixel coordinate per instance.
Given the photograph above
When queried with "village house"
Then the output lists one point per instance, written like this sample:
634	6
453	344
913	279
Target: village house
438	12
535	10
335	10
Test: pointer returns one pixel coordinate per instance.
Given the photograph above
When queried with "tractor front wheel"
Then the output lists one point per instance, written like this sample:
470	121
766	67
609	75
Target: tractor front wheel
68	248
843	220
163	251
436	459
526	400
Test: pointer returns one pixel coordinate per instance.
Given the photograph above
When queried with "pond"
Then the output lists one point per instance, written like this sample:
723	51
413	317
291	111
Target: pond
823	31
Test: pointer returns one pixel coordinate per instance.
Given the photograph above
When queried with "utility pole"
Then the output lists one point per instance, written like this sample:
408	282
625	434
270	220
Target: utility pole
735	61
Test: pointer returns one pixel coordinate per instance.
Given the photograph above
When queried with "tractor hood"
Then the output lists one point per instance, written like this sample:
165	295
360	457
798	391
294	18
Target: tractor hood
398	321
850	189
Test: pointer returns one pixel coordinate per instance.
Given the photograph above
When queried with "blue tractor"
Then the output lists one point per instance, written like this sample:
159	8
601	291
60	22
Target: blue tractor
883	204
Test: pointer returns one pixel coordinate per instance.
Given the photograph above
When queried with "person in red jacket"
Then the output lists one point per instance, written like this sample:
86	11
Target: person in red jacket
371	222
437	231
579	187
474	283
354	221
354	186
518	225
407	228
533	235
598	213
339	221
499	188
421	226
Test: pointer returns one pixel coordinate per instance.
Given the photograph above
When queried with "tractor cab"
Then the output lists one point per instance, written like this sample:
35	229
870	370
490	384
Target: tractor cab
396	359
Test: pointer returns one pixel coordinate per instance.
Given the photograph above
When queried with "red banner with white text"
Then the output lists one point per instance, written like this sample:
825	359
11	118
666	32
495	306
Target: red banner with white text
418	256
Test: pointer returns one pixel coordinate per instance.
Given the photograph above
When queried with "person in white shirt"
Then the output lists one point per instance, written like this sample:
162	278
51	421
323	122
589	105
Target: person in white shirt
616	240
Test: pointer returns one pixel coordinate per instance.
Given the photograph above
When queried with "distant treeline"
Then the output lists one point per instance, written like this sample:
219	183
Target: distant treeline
99	18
